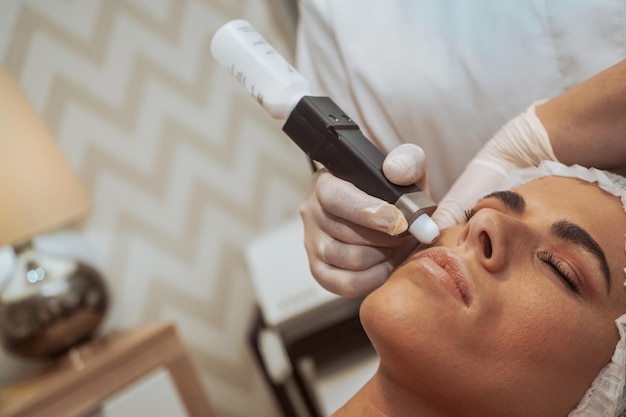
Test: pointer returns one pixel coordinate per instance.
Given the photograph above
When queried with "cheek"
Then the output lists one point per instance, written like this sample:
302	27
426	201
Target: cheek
450	236
520	349
555	340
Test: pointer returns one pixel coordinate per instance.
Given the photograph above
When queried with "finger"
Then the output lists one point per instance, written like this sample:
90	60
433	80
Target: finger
405	165
347	232
477	180
351	283
316	219
346	201
347	256
448	215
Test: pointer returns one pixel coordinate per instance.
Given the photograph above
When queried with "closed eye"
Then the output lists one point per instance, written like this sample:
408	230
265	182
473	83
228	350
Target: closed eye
560	271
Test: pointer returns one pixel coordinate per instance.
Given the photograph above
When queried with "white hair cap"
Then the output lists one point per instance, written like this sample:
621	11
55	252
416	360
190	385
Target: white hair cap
607	394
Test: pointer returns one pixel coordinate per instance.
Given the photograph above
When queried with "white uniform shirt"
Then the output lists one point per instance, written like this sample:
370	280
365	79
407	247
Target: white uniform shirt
446	74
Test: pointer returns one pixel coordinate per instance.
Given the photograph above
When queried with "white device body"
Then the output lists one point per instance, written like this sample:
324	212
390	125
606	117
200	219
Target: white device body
260	69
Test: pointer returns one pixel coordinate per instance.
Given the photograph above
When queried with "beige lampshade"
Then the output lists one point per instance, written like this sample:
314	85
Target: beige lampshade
39	192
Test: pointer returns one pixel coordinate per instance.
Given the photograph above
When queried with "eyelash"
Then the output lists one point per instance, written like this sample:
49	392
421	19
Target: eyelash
556	266
547	258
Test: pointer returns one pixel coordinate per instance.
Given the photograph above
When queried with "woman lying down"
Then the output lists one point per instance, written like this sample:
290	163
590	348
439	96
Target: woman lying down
519	312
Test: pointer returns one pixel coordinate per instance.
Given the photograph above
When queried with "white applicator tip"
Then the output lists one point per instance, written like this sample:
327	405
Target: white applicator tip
424	229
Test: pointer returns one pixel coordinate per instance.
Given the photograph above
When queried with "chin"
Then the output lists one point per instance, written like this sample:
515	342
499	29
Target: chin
386	314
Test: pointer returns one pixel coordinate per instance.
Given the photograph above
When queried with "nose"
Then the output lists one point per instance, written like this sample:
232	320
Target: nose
495	238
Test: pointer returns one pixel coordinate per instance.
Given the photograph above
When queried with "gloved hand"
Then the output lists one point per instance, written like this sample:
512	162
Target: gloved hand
520	143
351	238
349	234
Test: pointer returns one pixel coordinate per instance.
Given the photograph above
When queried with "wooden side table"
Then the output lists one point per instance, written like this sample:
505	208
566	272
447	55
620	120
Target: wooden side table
84	380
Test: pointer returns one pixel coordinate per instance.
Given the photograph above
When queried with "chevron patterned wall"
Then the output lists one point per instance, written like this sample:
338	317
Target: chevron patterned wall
183	167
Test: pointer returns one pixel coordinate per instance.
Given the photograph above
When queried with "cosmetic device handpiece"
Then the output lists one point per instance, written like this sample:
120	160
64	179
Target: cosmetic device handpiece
316	124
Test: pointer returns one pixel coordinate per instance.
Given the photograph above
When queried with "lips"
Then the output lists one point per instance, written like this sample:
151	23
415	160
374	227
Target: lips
448	270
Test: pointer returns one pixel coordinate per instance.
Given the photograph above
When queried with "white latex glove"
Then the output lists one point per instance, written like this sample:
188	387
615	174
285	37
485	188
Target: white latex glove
348	234
351	238
522	142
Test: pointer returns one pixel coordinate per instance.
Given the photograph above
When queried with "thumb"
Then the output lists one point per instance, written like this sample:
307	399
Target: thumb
477	180
405	165
448	214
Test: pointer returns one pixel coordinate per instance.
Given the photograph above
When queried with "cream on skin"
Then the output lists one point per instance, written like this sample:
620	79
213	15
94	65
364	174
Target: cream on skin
509	314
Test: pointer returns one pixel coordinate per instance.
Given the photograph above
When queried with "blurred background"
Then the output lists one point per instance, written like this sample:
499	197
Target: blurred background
183	168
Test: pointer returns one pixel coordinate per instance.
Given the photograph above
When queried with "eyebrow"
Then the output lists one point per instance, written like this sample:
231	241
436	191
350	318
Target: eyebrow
512	200
571	232
562	229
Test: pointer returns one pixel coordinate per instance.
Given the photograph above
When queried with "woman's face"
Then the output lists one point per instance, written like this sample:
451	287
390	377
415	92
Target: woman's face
512	313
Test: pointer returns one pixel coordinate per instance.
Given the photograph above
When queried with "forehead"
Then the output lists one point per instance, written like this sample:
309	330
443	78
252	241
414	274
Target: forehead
598	212
572	197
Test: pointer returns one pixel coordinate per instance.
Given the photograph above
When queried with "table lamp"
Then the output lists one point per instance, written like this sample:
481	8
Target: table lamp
50	303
